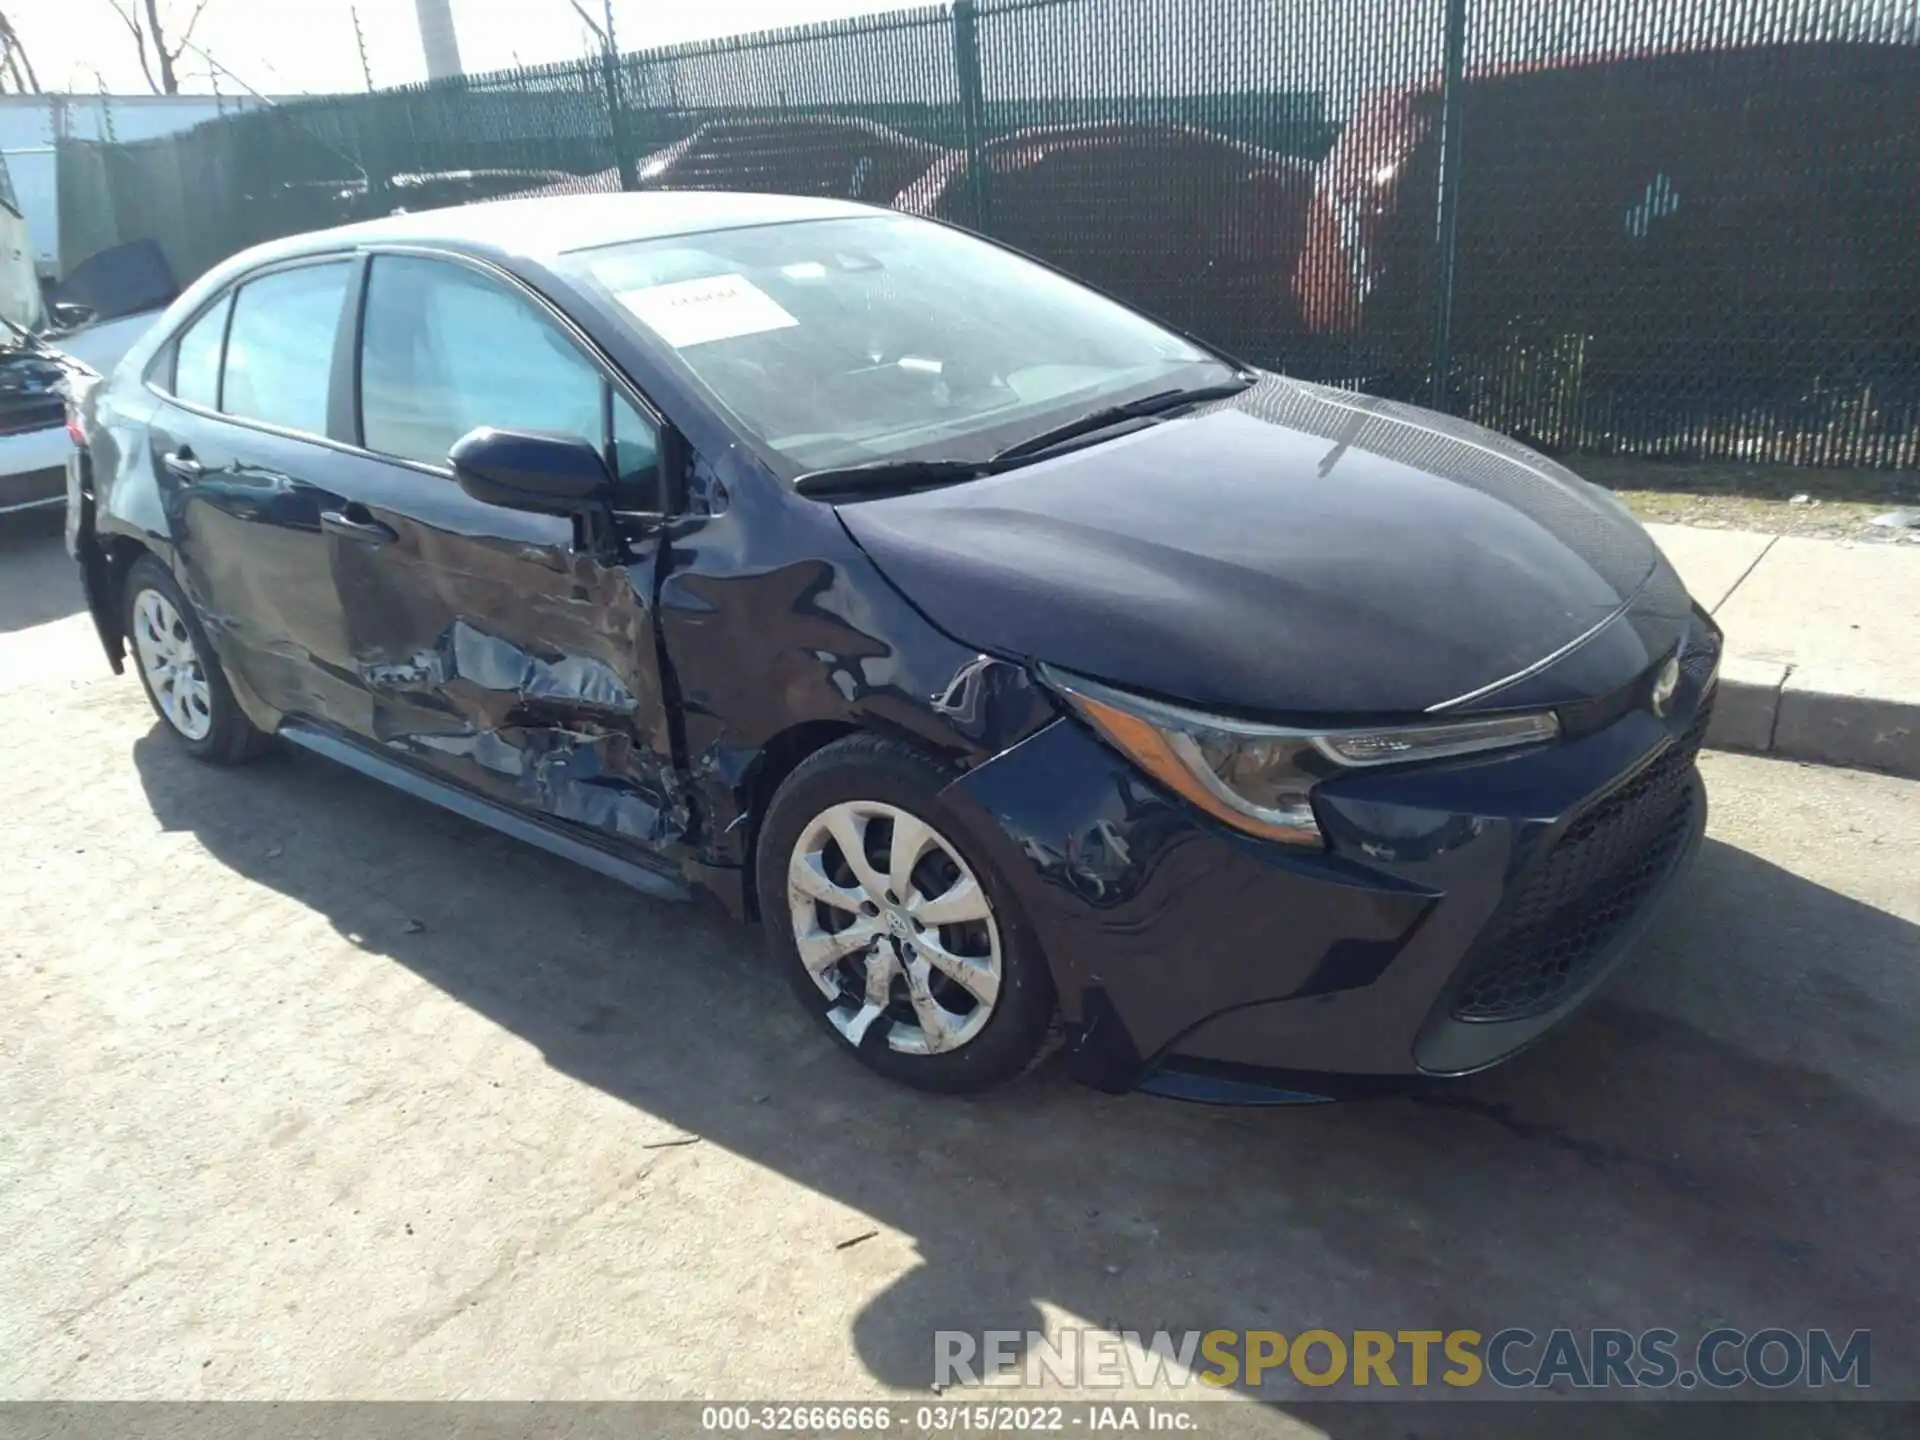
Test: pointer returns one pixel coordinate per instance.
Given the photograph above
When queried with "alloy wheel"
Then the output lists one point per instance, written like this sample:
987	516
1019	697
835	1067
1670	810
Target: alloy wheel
174	671
891	923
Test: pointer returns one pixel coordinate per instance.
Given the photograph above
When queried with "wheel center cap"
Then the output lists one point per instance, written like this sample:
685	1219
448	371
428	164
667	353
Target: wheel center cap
897	923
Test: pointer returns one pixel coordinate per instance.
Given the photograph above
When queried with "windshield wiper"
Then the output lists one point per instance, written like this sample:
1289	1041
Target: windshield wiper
903	477
889	477
1154	404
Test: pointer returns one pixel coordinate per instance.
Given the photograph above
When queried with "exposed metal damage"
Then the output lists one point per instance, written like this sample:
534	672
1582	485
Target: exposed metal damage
557	727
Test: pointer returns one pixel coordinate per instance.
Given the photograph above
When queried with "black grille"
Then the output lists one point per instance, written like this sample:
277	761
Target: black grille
19	417
1582	893
1698	660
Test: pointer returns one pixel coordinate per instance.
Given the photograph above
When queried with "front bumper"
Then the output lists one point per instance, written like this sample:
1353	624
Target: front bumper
1460	911
33	469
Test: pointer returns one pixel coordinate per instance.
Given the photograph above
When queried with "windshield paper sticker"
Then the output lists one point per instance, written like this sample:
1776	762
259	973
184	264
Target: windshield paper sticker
695	312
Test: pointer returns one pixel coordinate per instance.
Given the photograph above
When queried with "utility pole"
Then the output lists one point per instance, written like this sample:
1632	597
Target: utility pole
438	40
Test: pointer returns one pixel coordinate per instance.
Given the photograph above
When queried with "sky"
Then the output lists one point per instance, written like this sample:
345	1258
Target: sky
291	47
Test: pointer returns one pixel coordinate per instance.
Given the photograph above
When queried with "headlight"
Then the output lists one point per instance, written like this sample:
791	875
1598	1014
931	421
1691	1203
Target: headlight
1258	778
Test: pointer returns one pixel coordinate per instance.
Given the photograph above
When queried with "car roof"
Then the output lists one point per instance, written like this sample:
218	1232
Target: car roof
549	225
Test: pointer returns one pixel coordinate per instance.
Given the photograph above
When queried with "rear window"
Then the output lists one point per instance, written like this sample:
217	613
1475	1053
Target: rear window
196	362
280	346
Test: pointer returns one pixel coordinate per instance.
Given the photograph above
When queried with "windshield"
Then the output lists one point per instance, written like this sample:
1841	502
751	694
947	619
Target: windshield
844	342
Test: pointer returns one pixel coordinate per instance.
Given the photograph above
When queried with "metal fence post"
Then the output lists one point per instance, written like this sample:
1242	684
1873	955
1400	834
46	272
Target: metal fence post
623	157
624	160
1447	210
973	125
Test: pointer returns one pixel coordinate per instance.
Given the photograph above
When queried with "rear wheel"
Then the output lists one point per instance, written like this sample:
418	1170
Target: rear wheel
178	670
893	927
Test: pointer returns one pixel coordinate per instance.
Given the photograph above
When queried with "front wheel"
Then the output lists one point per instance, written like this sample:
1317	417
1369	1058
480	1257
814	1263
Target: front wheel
894	929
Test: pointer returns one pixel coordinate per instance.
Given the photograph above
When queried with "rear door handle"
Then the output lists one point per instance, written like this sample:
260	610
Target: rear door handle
356	522
182	463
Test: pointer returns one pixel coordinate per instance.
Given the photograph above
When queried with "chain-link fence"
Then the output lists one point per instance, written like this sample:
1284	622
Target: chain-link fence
1682	228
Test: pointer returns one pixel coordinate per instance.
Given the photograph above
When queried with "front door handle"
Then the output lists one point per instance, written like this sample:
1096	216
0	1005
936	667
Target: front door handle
182	463
357	523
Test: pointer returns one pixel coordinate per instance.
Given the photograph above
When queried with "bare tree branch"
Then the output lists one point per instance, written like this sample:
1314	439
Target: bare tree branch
131	20
159	50
588	21
169	82
18	62
186	35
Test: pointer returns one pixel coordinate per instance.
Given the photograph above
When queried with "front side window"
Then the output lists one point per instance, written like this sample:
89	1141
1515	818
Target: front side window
636	459
280	346
445	349
196	357
838	342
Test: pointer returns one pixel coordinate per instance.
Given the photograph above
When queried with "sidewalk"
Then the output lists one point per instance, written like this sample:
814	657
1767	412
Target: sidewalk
1823	644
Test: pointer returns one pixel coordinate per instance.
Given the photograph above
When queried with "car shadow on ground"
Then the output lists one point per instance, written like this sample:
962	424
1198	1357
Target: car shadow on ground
38	581
1675	1157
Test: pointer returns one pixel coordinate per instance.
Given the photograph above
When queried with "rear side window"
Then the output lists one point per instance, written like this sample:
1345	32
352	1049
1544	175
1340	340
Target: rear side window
445	349
196	363
280	346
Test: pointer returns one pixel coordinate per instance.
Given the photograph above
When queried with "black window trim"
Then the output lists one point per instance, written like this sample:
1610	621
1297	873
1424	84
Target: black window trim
343	385
612	379
343	382
232	303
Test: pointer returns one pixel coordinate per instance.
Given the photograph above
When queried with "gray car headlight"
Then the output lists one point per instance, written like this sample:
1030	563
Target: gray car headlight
1259	778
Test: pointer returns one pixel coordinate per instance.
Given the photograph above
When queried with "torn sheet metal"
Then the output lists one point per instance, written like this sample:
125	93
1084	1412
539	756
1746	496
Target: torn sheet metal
490	663
572	776
552	732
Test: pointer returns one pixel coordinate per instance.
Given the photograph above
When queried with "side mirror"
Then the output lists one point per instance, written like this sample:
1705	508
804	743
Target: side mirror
68	316
531	470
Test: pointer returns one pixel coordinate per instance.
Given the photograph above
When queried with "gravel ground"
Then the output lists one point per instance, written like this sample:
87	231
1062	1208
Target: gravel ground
1776	499
313	1091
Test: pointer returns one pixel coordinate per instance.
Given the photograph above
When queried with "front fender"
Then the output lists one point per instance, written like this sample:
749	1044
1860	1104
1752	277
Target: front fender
773	622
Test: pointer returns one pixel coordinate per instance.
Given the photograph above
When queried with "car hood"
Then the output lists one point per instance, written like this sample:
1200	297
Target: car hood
1292	551
29	372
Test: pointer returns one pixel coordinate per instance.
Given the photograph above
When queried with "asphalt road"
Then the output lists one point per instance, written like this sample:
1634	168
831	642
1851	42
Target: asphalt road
309	1090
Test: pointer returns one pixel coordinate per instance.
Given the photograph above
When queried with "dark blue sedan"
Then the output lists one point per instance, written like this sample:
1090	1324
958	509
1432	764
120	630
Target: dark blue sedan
1032	673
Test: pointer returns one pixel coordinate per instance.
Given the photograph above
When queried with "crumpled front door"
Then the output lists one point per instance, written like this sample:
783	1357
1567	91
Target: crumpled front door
494	653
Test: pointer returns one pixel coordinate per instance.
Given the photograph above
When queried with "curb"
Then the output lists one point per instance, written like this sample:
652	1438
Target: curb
1829	717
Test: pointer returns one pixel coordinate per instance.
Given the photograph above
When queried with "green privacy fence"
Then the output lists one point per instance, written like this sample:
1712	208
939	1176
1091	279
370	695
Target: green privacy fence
1674	228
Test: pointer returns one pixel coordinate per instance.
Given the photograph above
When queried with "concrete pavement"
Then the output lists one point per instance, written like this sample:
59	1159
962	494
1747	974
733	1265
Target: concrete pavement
1823	643
311	1090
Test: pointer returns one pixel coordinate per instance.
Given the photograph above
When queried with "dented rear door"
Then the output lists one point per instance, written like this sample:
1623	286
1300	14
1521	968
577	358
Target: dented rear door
492	649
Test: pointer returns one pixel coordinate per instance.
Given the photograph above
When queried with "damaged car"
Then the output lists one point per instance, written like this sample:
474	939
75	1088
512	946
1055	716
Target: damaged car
1034	675
35	441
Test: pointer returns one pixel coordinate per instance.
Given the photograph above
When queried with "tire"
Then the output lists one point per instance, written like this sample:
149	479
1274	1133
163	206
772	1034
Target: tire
178	669
985	979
